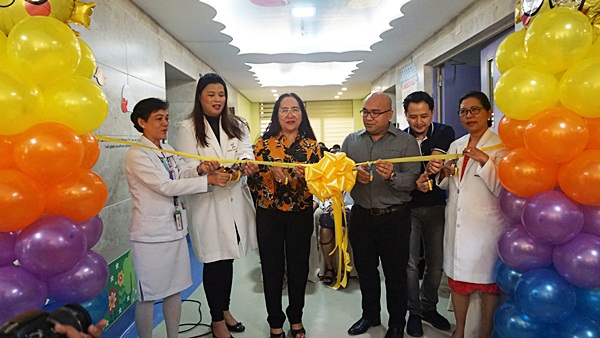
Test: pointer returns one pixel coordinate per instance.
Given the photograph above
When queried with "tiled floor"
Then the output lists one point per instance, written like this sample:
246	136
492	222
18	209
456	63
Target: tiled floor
328	313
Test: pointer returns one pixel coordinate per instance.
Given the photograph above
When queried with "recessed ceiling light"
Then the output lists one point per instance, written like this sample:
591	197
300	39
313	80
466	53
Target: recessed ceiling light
273	90
275	95
344	89
337	97
304	12
340	93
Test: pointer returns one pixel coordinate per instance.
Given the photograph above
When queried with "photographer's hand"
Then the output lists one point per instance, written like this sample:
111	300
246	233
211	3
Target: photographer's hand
94	331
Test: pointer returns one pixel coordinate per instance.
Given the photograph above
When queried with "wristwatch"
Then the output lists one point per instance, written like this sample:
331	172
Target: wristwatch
392	176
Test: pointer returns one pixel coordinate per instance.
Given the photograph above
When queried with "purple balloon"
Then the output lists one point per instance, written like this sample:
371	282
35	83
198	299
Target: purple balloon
591	219
92	229
50	245
7	248
511	206
82	283
552	217
20	291
522	252
578	261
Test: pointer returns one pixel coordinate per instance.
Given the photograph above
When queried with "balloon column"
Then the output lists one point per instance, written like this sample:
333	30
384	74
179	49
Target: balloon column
49	196
550	257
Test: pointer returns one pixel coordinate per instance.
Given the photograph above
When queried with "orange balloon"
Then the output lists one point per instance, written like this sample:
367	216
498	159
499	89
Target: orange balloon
79	197
524	175
21	200
7	160
511	132
48	152
91	150
580	178
556	135
594	129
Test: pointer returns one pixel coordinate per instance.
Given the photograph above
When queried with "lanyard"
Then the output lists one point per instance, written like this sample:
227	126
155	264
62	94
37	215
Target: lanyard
171	171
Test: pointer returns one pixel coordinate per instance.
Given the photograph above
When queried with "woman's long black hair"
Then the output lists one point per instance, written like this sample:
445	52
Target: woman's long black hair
274	127
231	124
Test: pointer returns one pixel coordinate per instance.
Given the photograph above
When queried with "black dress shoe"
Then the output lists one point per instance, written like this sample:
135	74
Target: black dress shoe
436	320
394	332
362	326
238	327
414	328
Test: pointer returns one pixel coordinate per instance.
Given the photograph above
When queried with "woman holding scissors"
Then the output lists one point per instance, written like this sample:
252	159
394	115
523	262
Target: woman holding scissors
223	219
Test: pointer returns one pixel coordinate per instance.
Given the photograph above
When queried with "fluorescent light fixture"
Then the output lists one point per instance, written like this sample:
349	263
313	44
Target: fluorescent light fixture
340	93
344	89
337	97
304	12
273	90
302	73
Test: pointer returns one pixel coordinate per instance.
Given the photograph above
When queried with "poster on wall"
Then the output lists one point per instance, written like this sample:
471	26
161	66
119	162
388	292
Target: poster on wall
408	84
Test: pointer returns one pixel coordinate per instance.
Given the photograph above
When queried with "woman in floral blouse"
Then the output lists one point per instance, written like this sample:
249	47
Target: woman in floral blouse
284	215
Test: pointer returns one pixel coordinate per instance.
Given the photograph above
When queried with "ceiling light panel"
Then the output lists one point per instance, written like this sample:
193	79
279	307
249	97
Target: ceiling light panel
302	73
334	29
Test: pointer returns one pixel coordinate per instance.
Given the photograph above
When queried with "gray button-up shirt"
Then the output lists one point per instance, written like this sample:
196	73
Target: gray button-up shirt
379	193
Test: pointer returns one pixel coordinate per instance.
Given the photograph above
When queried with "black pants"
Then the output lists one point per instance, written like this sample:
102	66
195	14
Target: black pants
384	237
217	278
284	243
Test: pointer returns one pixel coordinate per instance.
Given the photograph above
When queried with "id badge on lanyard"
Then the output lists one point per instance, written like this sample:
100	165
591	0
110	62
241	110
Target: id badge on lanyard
177	215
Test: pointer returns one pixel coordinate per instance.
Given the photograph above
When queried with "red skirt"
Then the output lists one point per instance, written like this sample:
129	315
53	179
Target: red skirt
465	288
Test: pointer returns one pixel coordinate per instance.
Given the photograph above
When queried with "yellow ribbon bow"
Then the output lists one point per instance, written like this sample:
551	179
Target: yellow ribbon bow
329	178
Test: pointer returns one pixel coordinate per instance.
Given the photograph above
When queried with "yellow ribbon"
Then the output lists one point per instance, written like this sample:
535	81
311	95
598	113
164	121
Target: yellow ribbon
329	178
332	175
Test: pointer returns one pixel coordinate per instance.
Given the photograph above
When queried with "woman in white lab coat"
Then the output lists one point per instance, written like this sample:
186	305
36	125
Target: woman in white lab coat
473	217
158	228
223	220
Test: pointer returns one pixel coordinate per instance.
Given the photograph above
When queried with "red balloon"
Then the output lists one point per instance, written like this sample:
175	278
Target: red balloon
524	175
580	178
48	152
79	197
91	150
7	160
511	132
556	135
21	200
594	129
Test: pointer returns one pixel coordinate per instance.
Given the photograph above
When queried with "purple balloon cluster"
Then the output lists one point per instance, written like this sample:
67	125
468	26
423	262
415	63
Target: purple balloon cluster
55	261
550	265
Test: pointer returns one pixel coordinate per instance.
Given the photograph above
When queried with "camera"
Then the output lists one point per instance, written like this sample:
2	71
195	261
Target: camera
40	324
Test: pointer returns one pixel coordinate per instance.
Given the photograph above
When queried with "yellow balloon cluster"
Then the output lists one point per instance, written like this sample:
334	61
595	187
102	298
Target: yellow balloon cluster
46	78
550	84
327	179
71	11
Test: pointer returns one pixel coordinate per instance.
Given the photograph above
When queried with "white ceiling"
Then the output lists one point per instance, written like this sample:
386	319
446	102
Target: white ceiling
246	43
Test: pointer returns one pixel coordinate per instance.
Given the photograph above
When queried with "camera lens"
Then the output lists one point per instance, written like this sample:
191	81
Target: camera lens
71	314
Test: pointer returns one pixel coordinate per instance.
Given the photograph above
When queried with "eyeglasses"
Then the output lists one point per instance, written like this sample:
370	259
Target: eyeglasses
374	113
473	110
293	110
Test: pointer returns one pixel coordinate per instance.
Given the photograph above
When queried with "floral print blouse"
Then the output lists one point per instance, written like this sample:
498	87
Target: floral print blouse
293	196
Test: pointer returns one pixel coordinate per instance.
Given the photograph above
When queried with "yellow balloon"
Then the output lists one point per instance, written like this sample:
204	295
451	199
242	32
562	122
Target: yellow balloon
87	64
558	38
594	50
12	12
43	48
523	91
579	88
511	51
75	102
3	57
18	103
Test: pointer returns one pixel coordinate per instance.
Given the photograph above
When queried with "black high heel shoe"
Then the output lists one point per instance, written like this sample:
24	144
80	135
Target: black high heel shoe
295	333
277	335
237	327
213	332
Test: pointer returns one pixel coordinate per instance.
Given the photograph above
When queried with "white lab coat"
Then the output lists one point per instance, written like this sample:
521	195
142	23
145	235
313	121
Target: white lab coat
473	217
152	192
216	214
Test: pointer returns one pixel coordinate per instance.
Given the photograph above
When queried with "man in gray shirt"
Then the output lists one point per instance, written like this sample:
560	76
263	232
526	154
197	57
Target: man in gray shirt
381	224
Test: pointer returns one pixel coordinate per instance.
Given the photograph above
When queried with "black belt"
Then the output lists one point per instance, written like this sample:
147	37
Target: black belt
381	211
